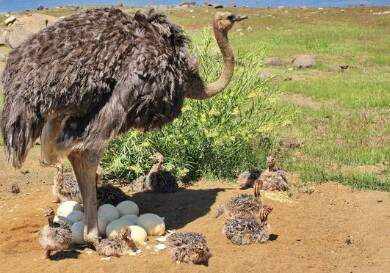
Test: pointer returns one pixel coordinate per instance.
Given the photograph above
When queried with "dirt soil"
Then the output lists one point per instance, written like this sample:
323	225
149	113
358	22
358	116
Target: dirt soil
333	229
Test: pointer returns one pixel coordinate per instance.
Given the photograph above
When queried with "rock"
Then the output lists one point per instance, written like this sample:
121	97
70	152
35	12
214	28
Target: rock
303	61
15	188
265	75
290	142
10	20
218	6
187	4
276	61
27	25
3	36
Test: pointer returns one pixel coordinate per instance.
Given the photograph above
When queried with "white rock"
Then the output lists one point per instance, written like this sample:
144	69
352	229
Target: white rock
152	223
78	233
127	207
106	214
75	216
10	20
67	207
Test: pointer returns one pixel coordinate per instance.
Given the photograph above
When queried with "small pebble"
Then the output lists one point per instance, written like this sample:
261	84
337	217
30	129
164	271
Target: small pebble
105	259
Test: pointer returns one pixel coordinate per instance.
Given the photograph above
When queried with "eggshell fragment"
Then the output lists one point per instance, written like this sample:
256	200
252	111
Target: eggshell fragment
127	207
153	224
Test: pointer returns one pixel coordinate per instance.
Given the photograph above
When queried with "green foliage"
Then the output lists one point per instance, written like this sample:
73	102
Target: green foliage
218	137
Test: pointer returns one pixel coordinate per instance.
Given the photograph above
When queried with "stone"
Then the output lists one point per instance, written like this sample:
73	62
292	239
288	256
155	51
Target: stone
265	75
10	20
218	6
303	61
275	61
27	25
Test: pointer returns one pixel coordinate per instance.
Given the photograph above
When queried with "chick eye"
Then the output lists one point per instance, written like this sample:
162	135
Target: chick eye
231	17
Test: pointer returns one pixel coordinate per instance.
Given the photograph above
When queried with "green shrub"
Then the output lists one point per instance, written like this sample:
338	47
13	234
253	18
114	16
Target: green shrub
218	137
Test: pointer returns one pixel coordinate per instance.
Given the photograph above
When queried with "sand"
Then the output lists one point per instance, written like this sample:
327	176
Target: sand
333	229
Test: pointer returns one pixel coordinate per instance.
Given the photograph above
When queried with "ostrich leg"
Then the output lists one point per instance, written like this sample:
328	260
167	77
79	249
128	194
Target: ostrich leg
85	164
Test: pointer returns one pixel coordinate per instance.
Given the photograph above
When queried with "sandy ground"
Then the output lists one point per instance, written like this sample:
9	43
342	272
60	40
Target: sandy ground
333	229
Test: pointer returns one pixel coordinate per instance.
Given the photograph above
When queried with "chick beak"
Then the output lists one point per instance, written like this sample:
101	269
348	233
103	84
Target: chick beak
239	18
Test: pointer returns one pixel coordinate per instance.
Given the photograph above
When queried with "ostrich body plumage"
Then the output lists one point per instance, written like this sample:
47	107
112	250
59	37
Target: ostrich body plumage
102	72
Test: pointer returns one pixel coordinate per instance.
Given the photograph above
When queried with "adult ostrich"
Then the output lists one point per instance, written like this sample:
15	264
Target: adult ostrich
96	74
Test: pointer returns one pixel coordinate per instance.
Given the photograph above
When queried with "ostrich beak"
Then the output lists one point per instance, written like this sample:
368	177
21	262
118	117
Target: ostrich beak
239	18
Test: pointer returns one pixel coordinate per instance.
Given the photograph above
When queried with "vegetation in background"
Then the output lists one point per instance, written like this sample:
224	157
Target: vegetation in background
219	137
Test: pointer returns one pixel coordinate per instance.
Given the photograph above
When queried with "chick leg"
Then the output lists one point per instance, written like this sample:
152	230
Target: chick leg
85	164
257	187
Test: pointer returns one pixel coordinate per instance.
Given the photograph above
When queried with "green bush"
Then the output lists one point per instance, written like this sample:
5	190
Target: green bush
218	137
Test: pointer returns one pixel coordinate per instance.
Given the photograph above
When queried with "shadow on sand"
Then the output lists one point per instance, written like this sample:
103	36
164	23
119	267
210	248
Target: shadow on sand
62	255
178	208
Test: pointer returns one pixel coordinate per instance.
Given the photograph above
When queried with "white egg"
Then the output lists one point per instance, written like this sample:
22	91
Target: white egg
75	216
78	233
153	224
138	234
127	207
133	218
67	207
60	219
115	226
106	214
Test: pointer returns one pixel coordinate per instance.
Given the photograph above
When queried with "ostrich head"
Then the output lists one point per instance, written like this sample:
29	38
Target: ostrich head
157	157
223	22
49	213
271	162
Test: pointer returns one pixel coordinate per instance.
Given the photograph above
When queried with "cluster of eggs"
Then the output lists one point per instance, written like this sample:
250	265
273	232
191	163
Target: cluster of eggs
111	220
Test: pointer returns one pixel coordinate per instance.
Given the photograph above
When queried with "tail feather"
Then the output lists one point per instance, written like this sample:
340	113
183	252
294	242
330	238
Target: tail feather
20	127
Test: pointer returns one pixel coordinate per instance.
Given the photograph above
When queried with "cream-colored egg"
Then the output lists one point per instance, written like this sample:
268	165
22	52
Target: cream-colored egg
67	207
75	216
78	233
115	226
127	207
138	234
106	214
153	224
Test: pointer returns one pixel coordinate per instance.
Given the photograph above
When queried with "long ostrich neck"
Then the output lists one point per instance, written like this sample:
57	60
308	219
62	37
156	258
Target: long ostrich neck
214	88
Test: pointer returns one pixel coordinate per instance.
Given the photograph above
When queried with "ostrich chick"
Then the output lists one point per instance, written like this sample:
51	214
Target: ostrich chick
245	231
273	178
242	206
65	187
54	236
247	179
117	246
158	179
188	247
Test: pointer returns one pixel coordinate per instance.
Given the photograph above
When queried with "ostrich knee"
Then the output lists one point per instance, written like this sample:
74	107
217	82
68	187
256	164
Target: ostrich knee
85	165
